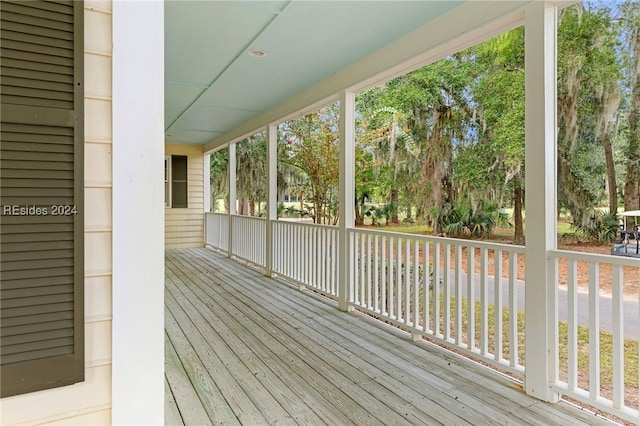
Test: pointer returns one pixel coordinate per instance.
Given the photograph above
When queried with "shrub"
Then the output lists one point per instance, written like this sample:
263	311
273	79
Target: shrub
597	226
460	219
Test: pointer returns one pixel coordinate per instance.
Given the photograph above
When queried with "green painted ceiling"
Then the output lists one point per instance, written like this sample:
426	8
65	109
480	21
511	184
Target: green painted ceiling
213	85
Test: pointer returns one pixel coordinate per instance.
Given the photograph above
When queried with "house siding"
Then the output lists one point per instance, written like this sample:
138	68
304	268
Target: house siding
88	402
185	227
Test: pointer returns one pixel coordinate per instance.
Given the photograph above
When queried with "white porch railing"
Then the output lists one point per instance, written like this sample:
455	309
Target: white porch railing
249	238
602	382
426	285
423	284
217	230
307	254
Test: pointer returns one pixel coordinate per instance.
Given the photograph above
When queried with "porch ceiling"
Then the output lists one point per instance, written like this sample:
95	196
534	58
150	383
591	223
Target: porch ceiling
213	85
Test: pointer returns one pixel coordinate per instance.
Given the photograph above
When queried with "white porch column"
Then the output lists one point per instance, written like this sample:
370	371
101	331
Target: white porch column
347	194
232	193
540	200
206	188
272	193
207	182
137	350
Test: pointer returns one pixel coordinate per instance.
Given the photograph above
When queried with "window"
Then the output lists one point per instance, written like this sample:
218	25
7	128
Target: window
175	181
41	195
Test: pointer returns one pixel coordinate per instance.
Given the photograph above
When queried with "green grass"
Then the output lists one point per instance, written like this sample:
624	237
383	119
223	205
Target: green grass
409	229
499	233
564	228
606	357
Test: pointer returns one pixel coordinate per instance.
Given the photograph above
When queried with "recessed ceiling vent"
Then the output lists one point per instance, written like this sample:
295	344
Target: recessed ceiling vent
257	53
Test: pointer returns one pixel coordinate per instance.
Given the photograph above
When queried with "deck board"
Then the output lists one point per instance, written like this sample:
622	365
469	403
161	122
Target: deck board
171	412
184	393
200	370
257	351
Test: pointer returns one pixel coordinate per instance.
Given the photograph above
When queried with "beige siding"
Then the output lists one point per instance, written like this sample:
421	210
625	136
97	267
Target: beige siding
185	227
88	402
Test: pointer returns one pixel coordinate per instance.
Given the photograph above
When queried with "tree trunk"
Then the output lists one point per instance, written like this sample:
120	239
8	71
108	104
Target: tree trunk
632	184
437	195
359	217
317	208
394	206
517	212
611	172
359	211
243	207
632	188
252	207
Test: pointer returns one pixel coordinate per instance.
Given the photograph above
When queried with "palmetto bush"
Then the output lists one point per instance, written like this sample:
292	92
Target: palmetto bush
597	226
461	219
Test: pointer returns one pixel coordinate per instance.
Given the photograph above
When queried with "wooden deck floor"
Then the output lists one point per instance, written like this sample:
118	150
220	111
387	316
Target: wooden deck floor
244	349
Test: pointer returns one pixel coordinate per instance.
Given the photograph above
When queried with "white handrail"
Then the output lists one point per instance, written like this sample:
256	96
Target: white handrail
600	316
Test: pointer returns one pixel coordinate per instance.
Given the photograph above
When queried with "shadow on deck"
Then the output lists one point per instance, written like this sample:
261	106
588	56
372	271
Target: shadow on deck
241	348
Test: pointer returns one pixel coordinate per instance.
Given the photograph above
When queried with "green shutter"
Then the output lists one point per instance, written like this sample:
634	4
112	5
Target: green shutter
41	195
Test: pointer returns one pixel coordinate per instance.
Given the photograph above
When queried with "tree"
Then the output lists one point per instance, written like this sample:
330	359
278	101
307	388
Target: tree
389	148
588	100
631	37
429	108
251	173
499	94
452	134
313	150
219	177
366	183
